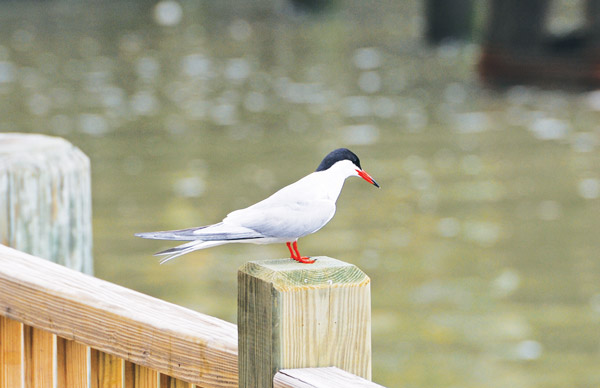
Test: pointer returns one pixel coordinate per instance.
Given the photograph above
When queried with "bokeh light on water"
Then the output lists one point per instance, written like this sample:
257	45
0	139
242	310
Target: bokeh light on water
482	242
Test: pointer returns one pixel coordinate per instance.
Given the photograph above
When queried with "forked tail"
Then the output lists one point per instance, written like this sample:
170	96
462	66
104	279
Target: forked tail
183	249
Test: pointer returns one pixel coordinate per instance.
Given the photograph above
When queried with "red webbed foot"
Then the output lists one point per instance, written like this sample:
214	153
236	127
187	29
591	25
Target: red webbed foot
304	260
293	247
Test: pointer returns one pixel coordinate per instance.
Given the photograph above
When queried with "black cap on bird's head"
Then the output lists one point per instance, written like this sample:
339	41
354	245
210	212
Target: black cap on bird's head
335	156
344	154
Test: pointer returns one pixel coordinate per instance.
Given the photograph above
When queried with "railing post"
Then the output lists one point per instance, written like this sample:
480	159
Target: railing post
293	315
45	199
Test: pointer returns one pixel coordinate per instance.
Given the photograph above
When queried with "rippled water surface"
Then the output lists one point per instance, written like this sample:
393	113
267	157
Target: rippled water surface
482	244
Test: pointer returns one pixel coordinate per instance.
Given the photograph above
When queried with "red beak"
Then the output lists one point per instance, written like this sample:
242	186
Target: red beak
367	177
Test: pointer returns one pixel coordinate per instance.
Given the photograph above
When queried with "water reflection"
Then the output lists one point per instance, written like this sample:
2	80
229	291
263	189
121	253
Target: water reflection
589	188
481	245
168	13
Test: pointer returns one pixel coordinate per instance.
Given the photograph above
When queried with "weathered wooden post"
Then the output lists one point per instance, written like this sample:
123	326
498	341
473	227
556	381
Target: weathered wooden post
45	210
45	199
293	315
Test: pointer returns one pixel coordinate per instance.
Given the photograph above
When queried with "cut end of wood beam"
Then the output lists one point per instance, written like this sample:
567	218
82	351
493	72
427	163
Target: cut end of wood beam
286	274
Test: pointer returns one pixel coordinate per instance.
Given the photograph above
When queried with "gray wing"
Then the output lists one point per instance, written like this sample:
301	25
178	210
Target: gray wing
289	220
216	232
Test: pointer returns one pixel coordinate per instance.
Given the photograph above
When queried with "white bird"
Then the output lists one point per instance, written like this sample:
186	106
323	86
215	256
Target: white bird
295	211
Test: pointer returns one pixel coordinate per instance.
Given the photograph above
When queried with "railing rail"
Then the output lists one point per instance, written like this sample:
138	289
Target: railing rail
117	323
330	377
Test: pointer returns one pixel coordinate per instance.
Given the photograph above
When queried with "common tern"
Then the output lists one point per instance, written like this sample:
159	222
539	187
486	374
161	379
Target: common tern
295	211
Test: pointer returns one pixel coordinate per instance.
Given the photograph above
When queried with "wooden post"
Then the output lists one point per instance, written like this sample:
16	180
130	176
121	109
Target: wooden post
45	199
293	315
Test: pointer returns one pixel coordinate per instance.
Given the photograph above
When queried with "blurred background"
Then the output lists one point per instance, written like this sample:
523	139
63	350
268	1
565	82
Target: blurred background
482	244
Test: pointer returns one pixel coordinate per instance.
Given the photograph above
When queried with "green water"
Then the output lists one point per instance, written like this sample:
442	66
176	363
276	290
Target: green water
482	244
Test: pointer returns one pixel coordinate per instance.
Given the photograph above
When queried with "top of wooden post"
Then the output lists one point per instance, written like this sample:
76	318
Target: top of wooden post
27	143
286	274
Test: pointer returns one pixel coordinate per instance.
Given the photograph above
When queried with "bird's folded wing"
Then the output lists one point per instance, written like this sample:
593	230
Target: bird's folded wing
214	232
286	220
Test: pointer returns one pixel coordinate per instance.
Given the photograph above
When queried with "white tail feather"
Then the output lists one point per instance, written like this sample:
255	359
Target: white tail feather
187	248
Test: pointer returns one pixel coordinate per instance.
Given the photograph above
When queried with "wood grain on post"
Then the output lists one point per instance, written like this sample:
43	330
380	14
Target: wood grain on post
293	315
71	364
137	376
39	353
171	382
11	353
106	370
45	199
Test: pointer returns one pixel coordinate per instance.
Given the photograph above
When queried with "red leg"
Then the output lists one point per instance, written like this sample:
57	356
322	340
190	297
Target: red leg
289	245
299	258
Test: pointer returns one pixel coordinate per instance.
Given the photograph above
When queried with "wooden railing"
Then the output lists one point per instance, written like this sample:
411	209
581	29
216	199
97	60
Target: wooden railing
61	328
106	335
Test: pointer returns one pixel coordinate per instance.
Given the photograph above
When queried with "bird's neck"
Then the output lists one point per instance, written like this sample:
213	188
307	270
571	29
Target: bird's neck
329	184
